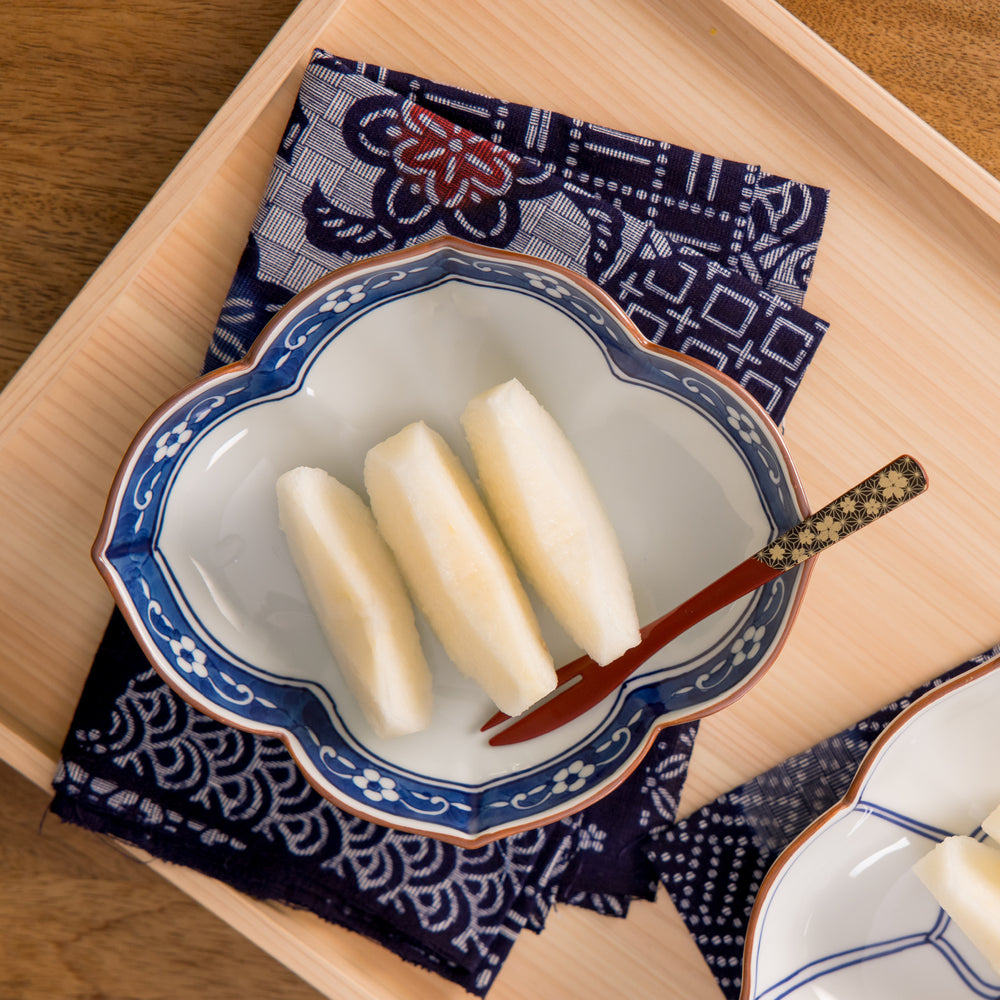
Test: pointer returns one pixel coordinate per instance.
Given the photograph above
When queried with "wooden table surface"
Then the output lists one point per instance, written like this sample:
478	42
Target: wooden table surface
98	101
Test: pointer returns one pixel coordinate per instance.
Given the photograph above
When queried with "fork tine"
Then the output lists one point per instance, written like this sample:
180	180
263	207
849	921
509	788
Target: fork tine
583	666
569	701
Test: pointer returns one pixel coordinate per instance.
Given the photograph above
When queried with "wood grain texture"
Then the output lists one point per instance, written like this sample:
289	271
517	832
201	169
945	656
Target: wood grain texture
941	59
98	101
82	920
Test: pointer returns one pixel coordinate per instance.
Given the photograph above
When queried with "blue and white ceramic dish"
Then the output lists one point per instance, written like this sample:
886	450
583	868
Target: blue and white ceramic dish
841	916
692	471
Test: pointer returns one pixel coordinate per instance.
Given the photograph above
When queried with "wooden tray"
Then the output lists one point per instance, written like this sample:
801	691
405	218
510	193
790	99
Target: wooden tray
908	274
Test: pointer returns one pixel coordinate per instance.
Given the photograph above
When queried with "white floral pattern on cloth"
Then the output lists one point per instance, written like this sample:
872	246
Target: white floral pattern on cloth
425	174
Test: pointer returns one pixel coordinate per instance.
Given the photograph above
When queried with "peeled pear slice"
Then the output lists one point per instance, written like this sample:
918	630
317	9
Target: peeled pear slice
963	874
457	568
359	597
991	825
552	519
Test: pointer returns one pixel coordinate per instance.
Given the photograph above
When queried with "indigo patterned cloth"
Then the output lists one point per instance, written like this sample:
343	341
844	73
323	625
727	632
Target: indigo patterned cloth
707	256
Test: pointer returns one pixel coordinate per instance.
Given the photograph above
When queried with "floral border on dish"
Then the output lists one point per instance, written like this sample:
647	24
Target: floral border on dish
227	687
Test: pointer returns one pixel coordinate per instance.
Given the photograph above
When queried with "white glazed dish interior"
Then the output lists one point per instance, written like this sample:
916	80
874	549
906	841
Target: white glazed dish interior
841	916
677	486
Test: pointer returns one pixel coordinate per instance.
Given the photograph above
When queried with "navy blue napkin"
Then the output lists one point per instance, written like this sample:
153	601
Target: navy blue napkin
708	256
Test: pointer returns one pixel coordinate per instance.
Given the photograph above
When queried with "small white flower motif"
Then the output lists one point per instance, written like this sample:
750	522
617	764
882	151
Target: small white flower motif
550	286
343	298
171	442
375	787
571	778
592	838
743	426
188	656
747	646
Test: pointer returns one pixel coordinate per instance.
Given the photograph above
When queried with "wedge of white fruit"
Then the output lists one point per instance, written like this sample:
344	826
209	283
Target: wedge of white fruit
359	597
552	519
963	874
457	568
991	825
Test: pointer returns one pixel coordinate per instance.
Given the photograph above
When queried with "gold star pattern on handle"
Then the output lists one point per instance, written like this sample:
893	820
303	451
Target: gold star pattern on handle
880	493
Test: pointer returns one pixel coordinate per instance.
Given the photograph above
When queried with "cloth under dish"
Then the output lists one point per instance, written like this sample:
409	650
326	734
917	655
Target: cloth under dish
708	256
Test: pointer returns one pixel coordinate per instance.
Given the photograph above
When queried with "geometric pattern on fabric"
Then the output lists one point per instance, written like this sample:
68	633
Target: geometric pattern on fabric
708	257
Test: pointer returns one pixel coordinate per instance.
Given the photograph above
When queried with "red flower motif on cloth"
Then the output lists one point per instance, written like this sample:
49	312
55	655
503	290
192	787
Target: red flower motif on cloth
429	177
452	166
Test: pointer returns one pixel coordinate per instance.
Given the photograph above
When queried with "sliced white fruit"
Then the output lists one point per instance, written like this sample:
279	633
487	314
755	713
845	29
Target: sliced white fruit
457	568
552	519
991	825
963	874
359	597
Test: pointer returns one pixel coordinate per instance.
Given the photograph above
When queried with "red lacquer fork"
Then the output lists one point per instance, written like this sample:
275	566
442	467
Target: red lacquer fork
583	683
